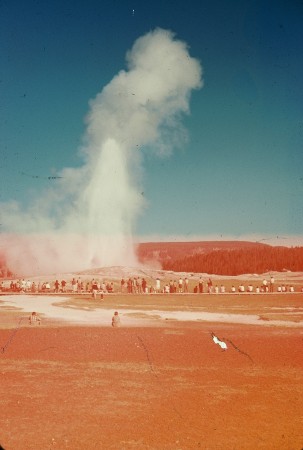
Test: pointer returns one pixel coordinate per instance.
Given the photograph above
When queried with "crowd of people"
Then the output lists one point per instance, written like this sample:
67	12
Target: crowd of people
207	287
72	286
138	285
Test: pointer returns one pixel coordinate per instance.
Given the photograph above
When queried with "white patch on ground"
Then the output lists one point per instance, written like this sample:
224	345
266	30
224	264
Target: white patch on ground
46	307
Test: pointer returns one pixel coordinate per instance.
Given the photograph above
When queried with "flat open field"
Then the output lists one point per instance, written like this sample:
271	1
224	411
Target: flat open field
155	382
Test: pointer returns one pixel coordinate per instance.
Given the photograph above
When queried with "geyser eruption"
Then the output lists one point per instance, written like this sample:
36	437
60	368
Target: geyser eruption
87	219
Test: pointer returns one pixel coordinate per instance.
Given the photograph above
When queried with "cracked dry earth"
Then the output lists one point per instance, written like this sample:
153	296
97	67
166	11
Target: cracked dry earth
152	388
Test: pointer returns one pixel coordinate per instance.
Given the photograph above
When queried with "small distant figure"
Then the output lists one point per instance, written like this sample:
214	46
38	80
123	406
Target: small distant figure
56	285
74	285
116	320
264	285
180	285
144	286
201	288
241	288
175	286
34	319
186	284
250	288
94	289
210	286
158	285
63	284
271	284
122	283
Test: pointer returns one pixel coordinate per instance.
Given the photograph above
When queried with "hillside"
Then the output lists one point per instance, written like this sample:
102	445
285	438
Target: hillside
227	258
222	258
170	252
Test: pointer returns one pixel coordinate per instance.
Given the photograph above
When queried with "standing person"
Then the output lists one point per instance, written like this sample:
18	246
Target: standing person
23	285
171	287
129	286
74	285
210	286
122	284
180	285
139	285
200	285
144	285
158	285
116	320
94	289
175	286
57	284
63	284
186	285
271	284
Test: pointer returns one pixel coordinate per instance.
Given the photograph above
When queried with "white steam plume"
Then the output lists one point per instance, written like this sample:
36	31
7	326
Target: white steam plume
88	218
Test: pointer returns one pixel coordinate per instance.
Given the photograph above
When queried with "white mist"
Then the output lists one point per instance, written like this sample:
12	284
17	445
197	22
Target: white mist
88	218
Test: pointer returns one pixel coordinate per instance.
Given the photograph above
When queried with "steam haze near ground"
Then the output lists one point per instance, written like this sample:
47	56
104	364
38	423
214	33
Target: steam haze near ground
87	219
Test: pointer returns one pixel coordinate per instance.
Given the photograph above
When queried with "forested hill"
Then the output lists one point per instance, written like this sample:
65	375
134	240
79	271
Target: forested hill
214	257
222	258
170	252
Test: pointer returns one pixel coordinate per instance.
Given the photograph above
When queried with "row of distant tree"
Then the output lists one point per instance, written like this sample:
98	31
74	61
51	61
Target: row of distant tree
203	257
240	261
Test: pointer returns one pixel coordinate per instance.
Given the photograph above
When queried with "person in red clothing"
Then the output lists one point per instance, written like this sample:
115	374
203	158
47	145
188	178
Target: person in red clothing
94	289
57	284
63	284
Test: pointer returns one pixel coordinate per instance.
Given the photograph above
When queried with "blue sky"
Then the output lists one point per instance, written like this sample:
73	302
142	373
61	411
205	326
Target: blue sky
240	174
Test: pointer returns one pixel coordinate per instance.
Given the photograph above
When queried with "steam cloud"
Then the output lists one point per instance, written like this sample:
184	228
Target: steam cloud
87	218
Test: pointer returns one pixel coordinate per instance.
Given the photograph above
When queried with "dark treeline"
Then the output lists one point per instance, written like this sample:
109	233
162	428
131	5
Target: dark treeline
172	251
240	261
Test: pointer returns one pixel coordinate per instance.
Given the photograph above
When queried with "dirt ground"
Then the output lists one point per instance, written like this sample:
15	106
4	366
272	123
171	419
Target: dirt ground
165	386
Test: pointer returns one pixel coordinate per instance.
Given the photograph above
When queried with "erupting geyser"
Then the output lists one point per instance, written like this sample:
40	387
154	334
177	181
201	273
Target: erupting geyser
87	219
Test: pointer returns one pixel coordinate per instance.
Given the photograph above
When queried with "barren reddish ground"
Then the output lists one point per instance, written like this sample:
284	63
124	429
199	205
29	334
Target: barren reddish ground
166	387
